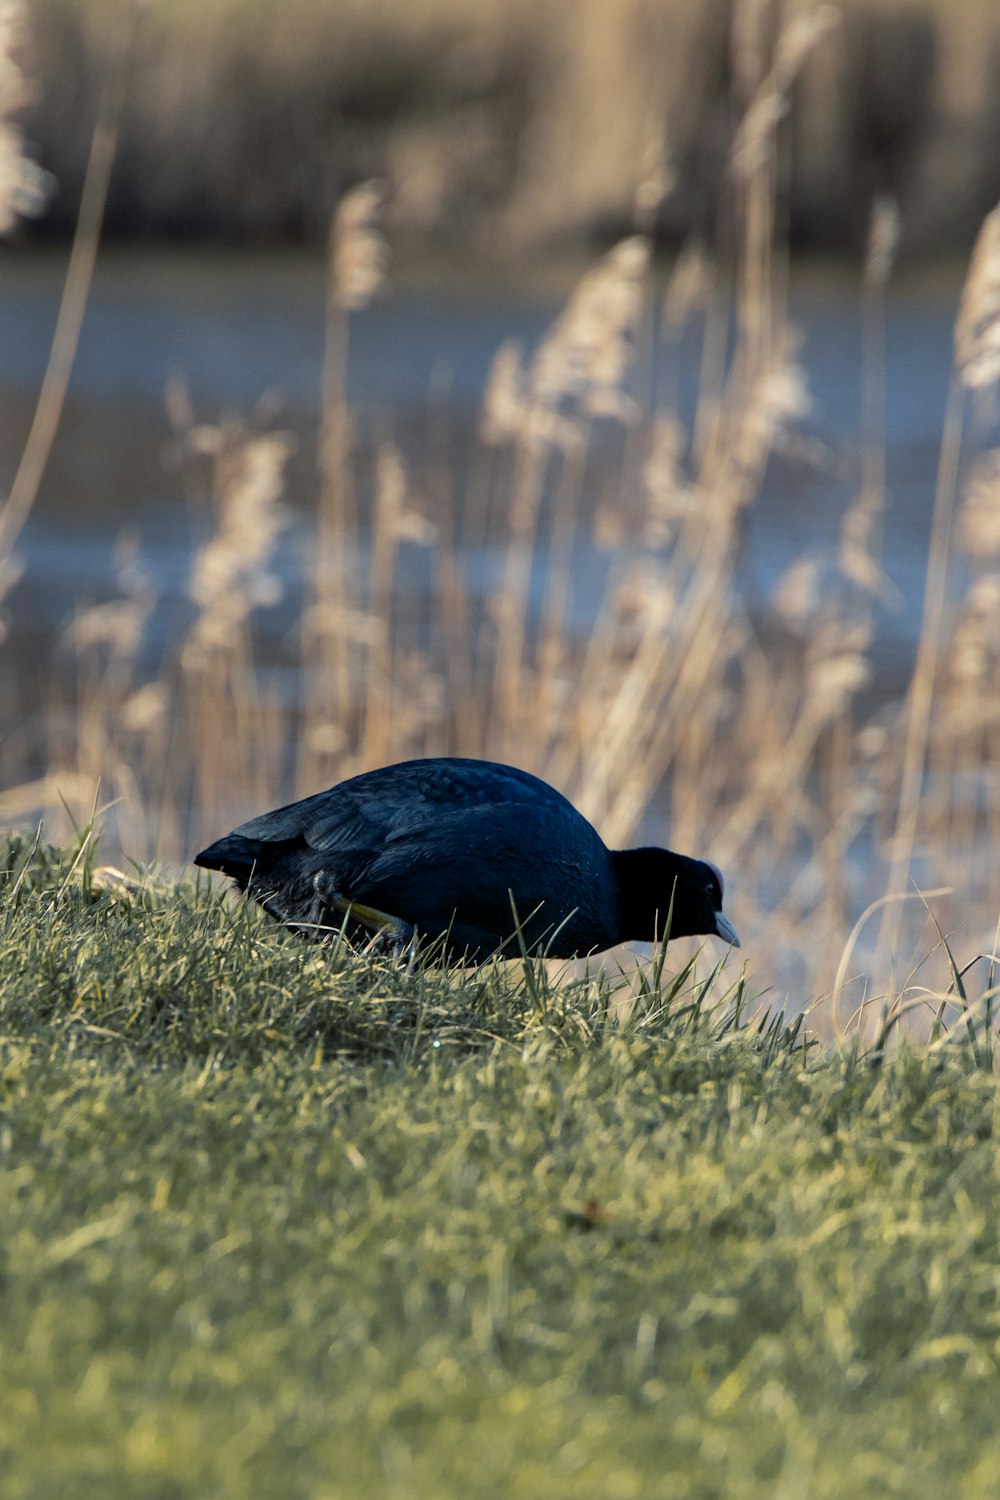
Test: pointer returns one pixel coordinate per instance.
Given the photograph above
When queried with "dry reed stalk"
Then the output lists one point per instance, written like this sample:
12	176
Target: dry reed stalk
105	641
923	684
464	726
656	181
968	734
452	624
702	783
668	497
682	748
11	572
394	521
358	261
861	532
640	697
753	167
835	669
681	649
582	363
712	373
750	46
502	421
979	517
331	582
975	659
359	253
977	367
977	327
663	686
774	400
22	191
552	652
231	576
689	289
502	415
845	809
666	678
603	659
861	572
390	495
24	187
450	630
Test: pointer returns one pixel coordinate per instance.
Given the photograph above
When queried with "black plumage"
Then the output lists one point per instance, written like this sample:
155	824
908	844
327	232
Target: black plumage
449	848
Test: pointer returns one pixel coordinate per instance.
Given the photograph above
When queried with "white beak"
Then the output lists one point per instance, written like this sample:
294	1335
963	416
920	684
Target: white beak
725	930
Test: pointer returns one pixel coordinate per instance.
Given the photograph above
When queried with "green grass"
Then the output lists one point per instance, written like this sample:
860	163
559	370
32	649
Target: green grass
280	1222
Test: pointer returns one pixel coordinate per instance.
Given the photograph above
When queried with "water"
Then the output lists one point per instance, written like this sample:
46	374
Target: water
239	330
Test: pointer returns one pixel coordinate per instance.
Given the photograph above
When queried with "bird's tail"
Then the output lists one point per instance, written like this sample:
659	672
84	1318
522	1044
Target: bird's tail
234	855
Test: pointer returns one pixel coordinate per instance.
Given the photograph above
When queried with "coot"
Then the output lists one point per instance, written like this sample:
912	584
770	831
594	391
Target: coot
450	849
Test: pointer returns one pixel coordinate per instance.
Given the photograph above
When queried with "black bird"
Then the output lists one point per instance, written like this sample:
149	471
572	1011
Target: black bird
452	849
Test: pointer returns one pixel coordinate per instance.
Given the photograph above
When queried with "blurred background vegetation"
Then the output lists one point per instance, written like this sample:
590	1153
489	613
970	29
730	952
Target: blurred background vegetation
516	123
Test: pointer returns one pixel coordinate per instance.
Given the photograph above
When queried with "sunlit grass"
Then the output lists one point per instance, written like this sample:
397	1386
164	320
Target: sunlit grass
284	1221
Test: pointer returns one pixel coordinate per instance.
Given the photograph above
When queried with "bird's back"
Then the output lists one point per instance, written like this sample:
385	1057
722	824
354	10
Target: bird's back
405	796
446	845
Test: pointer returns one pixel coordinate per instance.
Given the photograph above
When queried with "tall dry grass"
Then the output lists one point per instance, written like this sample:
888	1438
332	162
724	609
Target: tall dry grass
676	713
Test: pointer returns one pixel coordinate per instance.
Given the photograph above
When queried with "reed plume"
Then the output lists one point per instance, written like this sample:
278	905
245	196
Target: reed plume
974	657
579	372
25	188
359	254
502	415
586	355
232	573
752	143
977	327
358	263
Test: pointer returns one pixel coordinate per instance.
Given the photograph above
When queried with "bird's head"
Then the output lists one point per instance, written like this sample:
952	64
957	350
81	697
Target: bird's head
659	889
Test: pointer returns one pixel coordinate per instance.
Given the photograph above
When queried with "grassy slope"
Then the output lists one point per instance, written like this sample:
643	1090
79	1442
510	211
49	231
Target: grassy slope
278	1225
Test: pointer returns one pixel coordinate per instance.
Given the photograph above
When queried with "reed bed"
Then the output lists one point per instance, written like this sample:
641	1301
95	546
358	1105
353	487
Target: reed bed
677	714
